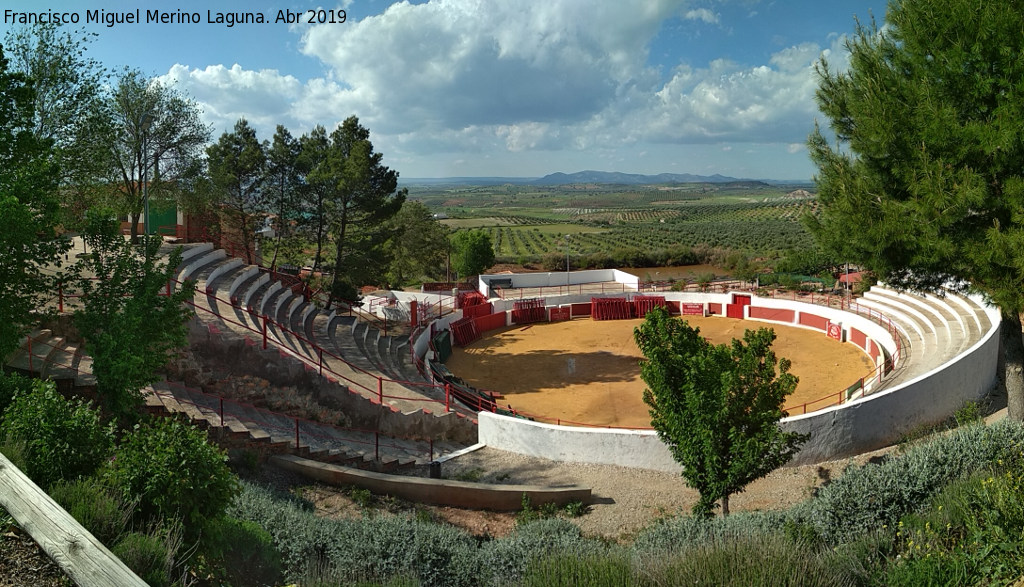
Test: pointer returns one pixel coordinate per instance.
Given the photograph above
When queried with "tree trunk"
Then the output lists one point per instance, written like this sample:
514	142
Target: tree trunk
725	505
1012	356
134	228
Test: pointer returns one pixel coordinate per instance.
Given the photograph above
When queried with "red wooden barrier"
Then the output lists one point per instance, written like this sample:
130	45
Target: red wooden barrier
477	310
813	321
464	331
489	322
526	311
688	309
611	309
644	304
581	309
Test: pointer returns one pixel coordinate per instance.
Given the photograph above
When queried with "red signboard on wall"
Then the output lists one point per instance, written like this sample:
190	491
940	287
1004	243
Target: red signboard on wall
688	309
834	330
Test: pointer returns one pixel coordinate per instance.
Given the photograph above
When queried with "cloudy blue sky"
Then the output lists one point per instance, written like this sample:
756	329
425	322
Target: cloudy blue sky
510	87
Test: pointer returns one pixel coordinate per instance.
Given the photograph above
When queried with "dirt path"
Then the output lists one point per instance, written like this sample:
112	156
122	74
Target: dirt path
587	371
629	499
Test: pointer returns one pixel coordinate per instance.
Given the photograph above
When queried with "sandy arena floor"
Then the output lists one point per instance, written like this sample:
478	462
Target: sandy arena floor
587	371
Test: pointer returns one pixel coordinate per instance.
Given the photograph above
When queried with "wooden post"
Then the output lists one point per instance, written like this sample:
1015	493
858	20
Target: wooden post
84	558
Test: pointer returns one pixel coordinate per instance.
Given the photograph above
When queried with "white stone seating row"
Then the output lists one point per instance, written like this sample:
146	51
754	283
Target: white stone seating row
937	328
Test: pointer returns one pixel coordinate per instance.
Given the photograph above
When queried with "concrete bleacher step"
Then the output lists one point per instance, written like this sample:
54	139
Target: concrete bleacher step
202	264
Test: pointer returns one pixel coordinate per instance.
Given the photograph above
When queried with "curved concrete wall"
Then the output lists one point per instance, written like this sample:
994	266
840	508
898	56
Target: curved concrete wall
861	425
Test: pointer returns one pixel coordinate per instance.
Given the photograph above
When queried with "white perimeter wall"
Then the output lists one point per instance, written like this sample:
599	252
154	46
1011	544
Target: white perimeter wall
557	278
862	425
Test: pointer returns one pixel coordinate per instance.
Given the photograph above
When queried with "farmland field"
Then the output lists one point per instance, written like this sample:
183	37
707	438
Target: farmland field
527	222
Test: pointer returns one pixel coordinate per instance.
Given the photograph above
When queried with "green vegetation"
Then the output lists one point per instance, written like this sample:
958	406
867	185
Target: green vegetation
128	322
63	439
174	473
717	407
924	185
472	252
526	223
948	511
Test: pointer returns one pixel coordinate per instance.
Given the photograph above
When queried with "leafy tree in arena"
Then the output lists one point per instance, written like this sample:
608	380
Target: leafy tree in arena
29	210
924	184
717	407
128	322
417	246
237	163
472	252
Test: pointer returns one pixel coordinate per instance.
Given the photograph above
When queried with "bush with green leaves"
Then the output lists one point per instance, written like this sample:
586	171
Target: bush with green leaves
173	471
867	497
375	548
150	555
97	508
63	439
240	552
10	385
508	559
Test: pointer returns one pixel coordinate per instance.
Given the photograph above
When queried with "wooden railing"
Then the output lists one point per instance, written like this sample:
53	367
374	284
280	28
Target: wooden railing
85	560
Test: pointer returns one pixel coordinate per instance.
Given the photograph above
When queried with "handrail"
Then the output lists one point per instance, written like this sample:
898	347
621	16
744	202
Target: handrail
297	429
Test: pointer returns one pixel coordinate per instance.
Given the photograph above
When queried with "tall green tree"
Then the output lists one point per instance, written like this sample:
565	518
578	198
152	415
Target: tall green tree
417	246
923	181
314	149
237	166
472	252
284	186
128	322
29	208
717	407
153	142
362	195
68	87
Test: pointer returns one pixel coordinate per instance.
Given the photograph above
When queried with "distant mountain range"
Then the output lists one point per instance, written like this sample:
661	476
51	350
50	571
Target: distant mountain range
628	178
595	177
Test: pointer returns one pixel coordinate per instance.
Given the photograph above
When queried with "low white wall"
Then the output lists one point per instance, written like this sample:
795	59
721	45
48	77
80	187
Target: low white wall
629	448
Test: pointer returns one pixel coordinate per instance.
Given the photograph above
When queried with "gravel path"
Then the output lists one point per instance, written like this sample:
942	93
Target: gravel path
627	499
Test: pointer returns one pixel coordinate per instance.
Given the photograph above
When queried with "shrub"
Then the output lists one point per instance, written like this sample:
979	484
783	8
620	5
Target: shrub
612	570
64	439
766	559
345	551
150	555
868	497
507	560
173	472
97	508
241	552
10	385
